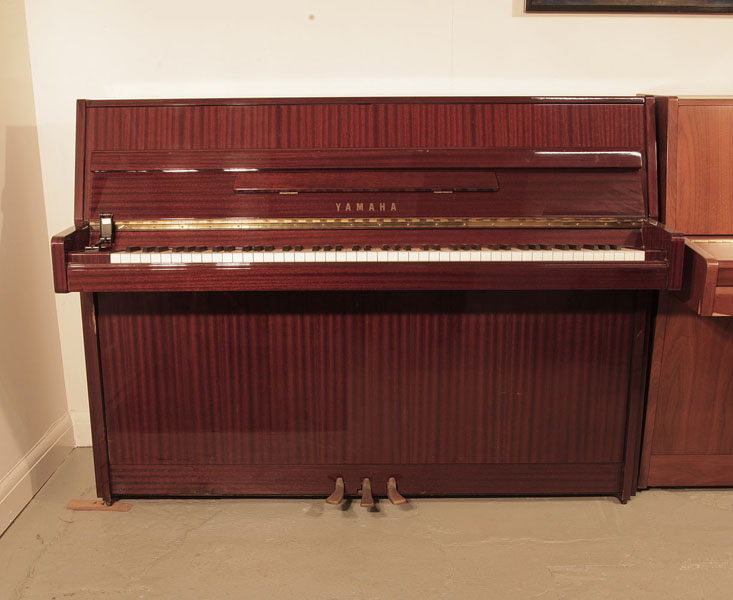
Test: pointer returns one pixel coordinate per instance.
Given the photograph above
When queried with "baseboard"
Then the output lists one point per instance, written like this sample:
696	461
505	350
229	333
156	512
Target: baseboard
82	427
23	481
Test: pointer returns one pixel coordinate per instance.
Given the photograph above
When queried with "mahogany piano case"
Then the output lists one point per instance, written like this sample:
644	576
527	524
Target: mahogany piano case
452	292
689	429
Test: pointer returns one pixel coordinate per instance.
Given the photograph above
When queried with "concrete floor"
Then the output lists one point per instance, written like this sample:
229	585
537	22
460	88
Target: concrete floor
662	544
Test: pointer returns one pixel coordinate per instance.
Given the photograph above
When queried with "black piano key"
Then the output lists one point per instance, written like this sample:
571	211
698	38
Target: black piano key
247	248
218	248
355	248
178	248
190	248
590	246
132	249
545	247
287	248
298	248
475	247
201	248
425	247
615	247
385	247
327	248
466	247
436	246
269	248
339	248
574	246
562	247
149	249
454	246
523	246
397	247
505	247
604	247
367	247
228	248
493	247
408	247
316	248
259	248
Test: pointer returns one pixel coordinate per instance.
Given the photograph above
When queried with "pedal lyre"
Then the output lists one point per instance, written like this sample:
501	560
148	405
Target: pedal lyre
394	496
338	492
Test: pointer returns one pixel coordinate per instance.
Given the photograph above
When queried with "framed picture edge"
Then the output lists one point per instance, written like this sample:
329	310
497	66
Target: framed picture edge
639	6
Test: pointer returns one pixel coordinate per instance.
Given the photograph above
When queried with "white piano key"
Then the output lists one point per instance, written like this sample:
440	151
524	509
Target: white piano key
299	257
115	258
176	258
227	257
277	257
319	257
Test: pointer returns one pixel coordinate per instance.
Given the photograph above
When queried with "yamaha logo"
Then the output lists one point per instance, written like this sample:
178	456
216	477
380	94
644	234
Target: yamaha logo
371	207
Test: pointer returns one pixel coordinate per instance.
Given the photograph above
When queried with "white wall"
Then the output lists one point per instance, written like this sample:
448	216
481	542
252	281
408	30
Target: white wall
227	48
35	429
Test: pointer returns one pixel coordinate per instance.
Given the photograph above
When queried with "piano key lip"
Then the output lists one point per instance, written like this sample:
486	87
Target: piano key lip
648	275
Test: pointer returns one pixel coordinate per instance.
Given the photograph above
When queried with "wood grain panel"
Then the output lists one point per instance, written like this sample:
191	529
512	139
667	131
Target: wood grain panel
413	480
323	379
704	203
373	124
686	470
695	398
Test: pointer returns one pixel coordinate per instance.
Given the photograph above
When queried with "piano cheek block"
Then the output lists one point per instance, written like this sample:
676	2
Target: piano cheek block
345	319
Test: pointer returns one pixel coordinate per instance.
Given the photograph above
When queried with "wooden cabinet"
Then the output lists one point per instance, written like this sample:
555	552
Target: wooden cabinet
688	439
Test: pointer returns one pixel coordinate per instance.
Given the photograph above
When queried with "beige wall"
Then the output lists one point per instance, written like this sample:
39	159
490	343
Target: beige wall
33	412
220	48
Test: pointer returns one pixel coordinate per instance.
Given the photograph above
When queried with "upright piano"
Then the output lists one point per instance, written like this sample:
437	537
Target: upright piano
418	296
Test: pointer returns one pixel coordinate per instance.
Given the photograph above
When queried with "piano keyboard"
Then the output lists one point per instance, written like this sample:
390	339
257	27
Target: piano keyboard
377	254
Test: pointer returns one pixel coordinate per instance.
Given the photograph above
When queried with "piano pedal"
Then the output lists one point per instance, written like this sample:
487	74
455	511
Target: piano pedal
337	495
394	496
367	500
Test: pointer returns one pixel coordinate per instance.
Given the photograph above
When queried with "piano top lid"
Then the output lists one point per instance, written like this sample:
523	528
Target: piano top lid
368	100
235	159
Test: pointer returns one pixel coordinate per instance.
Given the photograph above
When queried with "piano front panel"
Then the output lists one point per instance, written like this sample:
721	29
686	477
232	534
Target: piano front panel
288	380
370	123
